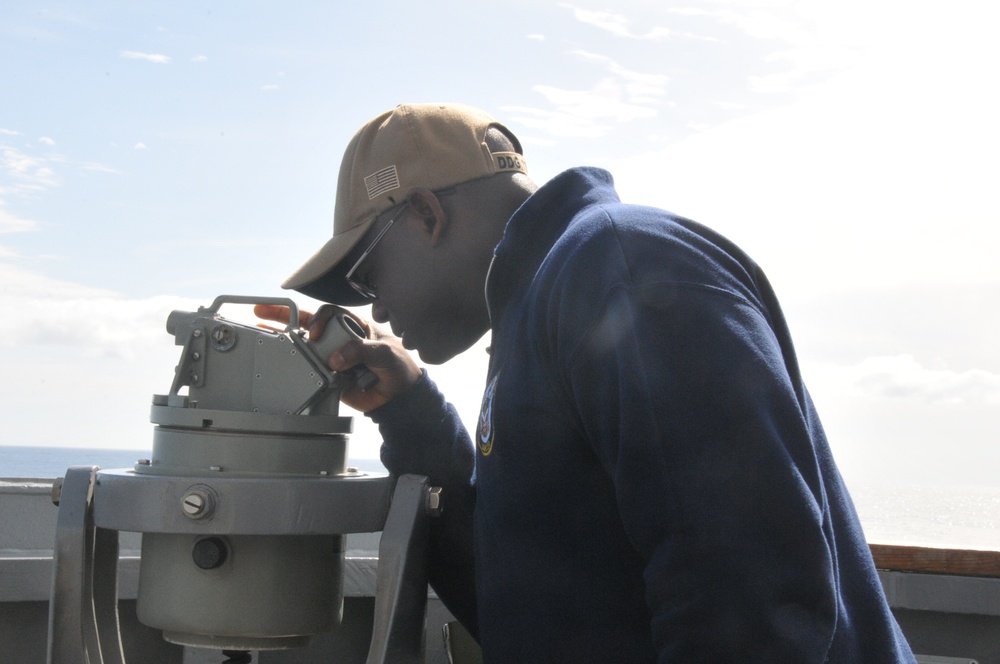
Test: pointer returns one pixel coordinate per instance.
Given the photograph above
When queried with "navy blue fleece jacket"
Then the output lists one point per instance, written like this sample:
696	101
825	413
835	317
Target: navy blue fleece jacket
651	481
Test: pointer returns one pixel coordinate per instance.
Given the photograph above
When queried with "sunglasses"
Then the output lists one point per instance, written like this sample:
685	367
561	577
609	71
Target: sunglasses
363	288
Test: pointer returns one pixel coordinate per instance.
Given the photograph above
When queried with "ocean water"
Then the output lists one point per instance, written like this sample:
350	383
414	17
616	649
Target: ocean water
917	515
959	517
51	462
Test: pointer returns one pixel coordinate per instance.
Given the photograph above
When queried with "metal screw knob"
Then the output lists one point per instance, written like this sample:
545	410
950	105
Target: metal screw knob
57	491
434	500
197	503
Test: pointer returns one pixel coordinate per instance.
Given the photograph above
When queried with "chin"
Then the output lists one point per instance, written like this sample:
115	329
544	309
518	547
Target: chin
435	355
446	347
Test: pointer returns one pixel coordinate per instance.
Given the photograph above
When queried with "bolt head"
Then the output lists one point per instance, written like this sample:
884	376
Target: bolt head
434	500
197	503
57	491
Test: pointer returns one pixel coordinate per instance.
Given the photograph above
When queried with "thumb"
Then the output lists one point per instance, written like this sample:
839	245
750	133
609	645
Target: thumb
396	369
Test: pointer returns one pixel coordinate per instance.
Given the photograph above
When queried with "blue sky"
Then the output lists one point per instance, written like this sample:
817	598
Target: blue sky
156	154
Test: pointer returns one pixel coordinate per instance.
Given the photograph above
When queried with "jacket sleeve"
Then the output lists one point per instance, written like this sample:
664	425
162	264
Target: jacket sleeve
424	435
686	395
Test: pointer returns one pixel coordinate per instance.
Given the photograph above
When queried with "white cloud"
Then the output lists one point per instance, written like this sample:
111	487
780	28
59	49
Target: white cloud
607	100
618	25
268	88
892	420
803	26
10	223
903	377
21	284
792	21
621	95
635	85
140	146
35	171
535	37
101	168
149	57
200	58
84	356
777	25
803	62
96	322
27	171
45	140
556	123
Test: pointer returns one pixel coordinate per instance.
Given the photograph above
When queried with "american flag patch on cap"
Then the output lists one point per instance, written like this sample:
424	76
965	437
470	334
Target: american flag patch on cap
382	181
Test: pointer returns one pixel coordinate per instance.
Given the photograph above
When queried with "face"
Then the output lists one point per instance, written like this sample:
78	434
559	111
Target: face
430	292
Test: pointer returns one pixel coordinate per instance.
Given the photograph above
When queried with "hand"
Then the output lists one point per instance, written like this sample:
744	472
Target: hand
381	352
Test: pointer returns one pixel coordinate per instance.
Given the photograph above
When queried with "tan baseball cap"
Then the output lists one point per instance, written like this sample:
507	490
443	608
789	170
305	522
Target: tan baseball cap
414	145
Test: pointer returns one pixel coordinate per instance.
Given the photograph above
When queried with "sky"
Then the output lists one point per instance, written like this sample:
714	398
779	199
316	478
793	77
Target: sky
154	155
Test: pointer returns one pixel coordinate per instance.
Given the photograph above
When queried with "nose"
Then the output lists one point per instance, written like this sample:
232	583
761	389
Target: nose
379	313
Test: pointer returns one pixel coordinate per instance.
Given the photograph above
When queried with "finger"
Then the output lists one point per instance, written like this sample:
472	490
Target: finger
389	361
279	313
317	322
385	355
347	356
275	312
325	313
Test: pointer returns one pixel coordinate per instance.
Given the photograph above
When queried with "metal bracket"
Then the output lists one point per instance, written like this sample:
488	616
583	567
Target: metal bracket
401	581
83	609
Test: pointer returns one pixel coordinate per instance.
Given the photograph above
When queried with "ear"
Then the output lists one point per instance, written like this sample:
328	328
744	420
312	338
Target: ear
427	207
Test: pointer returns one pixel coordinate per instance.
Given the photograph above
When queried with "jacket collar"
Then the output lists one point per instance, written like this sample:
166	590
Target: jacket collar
536	226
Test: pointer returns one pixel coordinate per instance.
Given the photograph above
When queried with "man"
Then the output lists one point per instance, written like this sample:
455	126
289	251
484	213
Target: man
649	480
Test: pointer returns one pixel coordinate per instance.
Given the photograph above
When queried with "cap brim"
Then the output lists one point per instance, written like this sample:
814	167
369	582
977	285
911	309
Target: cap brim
322	276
